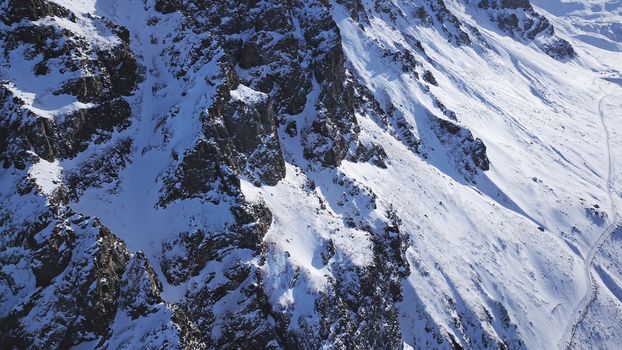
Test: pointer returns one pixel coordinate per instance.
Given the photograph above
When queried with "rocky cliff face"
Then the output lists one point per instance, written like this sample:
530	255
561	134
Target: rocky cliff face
178	173
518	18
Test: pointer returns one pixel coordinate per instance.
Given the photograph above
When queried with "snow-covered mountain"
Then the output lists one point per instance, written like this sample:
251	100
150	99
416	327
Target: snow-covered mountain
306	174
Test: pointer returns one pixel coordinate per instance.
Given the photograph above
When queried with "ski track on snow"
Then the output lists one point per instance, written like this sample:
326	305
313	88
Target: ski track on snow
592	289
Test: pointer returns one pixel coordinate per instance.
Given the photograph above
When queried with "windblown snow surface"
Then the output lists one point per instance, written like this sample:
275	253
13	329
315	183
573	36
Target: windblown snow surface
538	233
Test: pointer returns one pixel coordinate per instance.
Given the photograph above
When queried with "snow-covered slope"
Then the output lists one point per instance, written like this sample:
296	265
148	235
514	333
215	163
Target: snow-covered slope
310	174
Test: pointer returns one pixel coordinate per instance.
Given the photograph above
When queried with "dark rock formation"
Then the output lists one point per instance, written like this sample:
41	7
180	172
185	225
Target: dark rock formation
18	10
518	18
283	65
468	153
235	282
371	294
373	154
82	302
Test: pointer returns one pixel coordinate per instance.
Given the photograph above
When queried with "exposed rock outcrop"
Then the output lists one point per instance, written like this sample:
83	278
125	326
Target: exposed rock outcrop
468	153
518	18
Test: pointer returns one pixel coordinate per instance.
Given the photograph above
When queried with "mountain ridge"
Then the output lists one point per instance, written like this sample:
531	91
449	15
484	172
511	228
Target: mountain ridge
307	174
